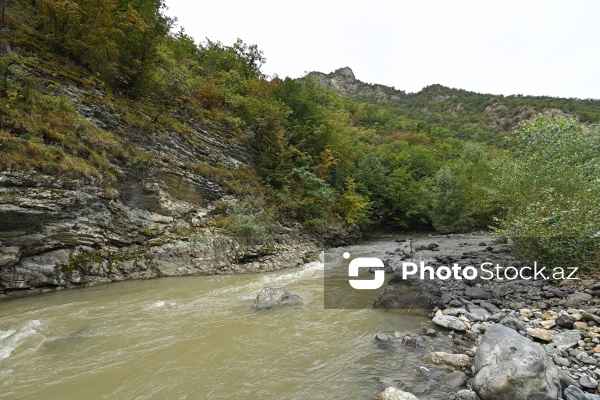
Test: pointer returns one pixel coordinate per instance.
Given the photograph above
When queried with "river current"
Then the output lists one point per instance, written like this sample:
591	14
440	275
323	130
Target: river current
199	337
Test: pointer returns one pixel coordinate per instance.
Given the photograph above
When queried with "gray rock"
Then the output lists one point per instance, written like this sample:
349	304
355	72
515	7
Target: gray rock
455	304
509	366
450	322
478	314
562	362
590	317
489	307
588	382
382	337
414	296
467	394
577	298
586	358
455	379
428	331
411	340
567	339
514	323
484	326
503	289
574	393
477	293
454	311
273	297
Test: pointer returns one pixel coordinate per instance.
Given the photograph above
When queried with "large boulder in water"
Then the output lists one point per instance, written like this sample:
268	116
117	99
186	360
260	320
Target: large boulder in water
273	297
510	366
412	295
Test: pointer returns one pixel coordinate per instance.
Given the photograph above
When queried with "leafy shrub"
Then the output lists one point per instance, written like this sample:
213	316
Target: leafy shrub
249	222
552	193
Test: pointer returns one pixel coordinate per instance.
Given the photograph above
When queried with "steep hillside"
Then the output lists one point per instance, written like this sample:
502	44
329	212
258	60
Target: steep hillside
104	180
456	112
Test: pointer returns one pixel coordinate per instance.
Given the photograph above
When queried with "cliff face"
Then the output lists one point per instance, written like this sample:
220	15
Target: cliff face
156	219
343	81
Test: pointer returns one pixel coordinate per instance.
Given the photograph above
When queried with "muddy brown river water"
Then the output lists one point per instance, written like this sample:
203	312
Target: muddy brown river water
200	338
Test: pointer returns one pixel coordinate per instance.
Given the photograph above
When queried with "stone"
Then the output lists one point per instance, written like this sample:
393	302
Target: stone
572	392
567	339
567	380
455	303
561	362
413	295
590	317
489	307
456	360
411	340
541	334
580	325
588	382
586	358
392	393
455	379
465	320
547	324
484	326
428	331
467	394
564	321
382	337
477	293
273	297
509	366
514	323
577	298
455	312
526	312
450	322
446	297
478	314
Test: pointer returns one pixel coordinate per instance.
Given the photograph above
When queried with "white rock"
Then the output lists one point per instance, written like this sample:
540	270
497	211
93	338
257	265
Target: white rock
456	360
392	393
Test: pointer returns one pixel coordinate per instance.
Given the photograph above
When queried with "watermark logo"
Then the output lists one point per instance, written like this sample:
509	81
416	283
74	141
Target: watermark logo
366	262
355	283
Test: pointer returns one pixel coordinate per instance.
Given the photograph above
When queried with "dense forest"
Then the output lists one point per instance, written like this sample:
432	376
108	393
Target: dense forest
319	157
444	111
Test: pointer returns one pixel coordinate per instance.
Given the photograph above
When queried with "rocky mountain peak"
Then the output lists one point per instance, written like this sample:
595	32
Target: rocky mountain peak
346	72
344	81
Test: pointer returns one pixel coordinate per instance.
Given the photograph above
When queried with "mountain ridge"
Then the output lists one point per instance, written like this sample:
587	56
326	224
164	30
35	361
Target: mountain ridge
464	113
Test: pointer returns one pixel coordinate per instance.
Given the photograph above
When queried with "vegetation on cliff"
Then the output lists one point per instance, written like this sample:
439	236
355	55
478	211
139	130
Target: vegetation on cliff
441	158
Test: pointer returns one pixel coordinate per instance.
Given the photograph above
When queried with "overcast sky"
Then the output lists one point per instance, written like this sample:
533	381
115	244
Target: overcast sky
531	47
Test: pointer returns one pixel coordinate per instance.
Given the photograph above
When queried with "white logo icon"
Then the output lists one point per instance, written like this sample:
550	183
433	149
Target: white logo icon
366	262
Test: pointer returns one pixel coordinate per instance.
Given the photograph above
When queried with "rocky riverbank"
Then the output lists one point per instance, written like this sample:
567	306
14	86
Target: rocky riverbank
518	338
58	233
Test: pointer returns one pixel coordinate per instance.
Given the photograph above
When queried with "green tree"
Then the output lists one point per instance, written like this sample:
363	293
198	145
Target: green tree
552	192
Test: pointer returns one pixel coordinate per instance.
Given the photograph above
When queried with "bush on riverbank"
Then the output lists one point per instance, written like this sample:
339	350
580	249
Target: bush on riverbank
551	192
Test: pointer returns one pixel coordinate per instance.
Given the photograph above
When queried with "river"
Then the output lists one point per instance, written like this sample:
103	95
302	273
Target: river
199	337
